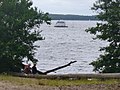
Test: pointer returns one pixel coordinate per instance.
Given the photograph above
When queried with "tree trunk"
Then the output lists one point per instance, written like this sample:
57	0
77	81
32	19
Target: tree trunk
60	67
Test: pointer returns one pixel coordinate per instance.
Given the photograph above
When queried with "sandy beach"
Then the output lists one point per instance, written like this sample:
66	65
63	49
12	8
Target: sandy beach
10	86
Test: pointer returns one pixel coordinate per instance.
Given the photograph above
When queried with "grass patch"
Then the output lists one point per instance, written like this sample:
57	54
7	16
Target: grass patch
56	82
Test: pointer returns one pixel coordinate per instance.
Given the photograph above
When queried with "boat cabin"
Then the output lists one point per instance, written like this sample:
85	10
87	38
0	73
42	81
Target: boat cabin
60	24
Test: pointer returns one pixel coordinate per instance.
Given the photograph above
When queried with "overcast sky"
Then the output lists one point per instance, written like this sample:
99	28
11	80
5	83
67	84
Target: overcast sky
78	7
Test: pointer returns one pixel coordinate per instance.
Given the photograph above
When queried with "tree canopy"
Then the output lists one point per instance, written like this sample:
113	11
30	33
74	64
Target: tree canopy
19	21
109	12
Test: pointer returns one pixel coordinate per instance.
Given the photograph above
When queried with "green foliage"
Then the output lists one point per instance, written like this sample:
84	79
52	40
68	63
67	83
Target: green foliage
18	32
109	11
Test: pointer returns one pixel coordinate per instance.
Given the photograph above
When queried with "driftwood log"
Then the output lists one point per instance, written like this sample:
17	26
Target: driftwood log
34	69
60	67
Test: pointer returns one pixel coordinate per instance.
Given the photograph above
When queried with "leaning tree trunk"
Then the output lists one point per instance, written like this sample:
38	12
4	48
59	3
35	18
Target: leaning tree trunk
60	67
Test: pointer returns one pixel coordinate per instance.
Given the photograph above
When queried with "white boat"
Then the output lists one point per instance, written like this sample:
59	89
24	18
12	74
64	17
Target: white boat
60	24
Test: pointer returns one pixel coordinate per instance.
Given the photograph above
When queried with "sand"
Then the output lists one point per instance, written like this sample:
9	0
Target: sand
10	86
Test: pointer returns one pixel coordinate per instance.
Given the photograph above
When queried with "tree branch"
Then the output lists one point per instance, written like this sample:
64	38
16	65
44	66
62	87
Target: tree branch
60	67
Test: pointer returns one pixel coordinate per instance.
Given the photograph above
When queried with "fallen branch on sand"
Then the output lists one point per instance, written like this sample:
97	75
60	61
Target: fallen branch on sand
35	71
60	67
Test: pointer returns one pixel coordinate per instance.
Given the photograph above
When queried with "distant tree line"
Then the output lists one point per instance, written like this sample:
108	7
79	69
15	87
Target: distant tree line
71	17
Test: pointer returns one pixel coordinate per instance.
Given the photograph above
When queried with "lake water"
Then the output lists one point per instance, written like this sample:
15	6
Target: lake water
62	45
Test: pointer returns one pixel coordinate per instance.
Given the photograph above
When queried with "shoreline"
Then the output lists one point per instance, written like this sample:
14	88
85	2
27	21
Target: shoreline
70	76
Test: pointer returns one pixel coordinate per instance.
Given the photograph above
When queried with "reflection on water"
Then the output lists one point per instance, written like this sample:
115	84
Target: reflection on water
62	45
